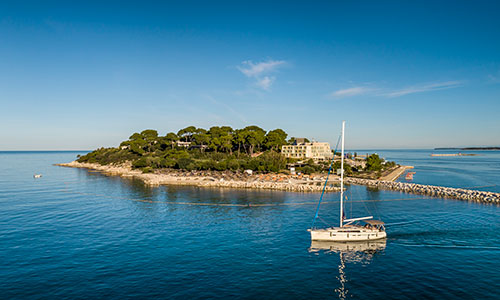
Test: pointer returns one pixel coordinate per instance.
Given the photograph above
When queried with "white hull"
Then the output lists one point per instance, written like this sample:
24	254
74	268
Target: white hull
347	234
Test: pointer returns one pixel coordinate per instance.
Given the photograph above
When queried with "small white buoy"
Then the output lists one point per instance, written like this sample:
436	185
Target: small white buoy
37	175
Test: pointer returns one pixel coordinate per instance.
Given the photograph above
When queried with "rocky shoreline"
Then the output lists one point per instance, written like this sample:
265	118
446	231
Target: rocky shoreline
293	183
280	182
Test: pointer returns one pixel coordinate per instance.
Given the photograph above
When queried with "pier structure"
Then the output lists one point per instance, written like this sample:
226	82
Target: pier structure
430	190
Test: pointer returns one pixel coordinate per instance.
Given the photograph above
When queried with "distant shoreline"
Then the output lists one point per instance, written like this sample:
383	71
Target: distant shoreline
470	148
454	154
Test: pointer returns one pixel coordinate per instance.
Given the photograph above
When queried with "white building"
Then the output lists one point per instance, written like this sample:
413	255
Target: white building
183	144
314	150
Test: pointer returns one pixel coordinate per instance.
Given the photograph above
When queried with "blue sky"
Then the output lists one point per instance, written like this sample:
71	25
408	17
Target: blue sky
403	75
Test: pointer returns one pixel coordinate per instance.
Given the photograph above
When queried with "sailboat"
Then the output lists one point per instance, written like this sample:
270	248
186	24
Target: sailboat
349	229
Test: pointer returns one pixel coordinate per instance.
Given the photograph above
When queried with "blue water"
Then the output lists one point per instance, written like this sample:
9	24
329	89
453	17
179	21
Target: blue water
80	234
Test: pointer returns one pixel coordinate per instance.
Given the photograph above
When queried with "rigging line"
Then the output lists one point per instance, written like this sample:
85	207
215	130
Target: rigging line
351	204
366	207
377	211
326	223
326	181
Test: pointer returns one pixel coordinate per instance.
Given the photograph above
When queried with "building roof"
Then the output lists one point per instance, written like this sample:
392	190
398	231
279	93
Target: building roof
299	141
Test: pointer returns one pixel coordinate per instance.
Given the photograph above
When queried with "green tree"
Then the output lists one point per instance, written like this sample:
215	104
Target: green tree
226	139
239	139
147	151
171	138
149	134
135	136
374	163
347	168
187	133
201	137
275	139
254	137
150	137
215	133
221	138
137	146
137	143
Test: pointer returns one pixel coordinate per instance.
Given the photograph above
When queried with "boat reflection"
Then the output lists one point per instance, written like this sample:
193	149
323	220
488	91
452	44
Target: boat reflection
349	252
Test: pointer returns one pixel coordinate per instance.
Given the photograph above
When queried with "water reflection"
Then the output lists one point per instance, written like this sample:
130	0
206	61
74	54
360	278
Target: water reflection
349	252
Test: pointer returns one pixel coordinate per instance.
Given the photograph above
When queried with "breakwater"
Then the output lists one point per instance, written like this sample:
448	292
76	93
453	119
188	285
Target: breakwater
430	190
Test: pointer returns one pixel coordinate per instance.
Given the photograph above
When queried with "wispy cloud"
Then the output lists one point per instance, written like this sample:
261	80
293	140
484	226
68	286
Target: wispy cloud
259	71
265	82
391	93
425	88
251	69
354	91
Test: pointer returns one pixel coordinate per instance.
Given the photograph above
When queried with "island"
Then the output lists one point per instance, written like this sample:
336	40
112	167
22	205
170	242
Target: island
240	158
252	158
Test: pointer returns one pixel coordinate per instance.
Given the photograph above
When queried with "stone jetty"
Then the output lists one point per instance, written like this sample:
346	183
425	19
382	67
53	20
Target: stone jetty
395	173
430	190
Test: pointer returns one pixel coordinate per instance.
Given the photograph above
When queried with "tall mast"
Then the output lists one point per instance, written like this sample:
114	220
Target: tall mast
342	178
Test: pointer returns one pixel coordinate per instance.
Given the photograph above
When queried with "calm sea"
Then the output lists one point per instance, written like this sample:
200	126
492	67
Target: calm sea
78	234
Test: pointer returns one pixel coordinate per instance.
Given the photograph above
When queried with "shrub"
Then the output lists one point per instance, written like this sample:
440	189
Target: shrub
306	169
147	170
183	163
167	163
221	165
347	168
233	164
140	163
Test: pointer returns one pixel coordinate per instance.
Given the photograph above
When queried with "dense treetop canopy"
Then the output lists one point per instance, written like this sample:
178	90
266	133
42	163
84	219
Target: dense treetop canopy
219	148
191	148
